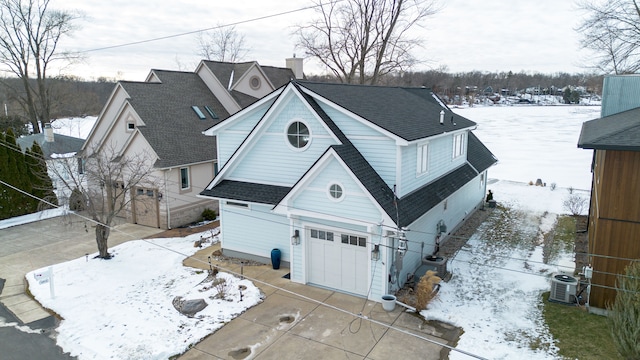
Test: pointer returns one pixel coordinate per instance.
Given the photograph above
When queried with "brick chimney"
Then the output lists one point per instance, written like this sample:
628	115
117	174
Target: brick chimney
295	64
48	132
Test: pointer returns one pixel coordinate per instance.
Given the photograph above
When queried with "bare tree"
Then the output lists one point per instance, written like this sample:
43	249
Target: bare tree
612	31
222	44
106	187
360	41
30	33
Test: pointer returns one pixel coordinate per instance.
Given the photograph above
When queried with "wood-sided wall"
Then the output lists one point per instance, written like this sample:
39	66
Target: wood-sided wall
614	220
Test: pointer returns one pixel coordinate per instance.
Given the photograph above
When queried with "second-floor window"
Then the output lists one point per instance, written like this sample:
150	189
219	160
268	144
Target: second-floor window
184	178
423	159
458	145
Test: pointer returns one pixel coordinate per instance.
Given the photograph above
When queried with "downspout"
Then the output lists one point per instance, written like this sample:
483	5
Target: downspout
167	204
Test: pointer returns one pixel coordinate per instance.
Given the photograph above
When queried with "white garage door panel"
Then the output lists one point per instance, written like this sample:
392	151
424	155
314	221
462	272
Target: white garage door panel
337	265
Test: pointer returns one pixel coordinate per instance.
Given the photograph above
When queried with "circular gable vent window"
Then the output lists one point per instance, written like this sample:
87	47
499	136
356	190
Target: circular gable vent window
298	134
255	82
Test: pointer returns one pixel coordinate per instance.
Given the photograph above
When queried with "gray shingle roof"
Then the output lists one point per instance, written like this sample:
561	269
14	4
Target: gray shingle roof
244	191
171	127
278	76
410	113
222	70
405	210
62	144
620	131
478	155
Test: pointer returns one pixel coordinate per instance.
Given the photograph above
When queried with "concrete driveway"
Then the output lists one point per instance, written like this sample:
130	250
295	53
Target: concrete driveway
298	321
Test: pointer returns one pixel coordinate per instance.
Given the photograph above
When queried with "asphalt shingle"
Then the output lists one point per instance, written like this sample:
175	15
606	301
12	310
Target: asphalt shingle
620	131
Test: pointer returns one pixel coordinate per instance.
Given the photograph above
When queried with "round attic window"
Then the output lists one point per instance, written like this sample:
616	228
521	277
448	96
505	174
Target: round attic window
298	134
336	192
255	82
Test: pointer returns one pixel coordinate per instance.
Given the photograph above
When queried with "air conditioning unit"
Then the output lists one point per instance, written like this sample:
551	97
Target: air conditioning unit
563	288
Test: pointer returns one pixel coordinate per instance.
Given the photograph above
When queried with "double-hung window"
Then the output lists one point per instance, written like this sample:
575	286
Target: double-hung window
458	145
423	159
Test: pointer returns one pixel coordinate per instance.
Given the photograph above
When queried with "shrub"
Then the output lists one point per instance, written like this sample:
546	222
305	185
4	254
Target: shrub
553	186
575	204
427	289
624	314
208	214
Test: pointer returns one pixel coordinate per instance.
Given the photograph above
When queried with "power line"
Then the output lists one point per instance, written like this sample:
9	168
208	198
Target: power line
203	30
322	303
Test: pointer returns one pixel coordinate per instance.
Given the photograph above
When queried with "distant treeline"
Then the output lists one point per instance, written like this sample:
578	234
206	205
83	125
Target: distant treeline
476	83
73	96
70	96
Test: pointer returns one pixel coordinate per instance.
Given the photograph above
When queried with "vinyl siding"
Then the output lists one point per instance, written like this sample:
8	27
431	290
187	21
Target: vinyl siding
376	147
229	139
620	93
272	159
459	206
440	162
255	230
355	204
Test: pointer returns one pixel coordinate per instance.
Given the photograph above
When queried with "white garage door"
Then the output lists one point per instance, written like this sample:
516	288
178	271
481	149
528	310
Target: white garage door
338	260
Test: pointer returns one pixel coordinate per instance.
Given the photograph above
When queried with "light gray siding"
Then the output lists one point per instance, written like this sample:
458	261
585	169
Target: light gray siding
620	93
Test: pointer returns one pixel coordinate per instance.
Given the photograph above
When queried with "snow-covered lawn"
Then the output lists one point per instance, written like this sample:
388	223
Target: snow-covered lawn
122	308
499	276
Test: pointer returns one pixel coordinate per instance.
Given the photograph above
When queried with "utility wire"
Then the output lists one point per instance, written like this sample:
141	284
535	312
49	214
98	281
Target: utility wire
271	285
203	30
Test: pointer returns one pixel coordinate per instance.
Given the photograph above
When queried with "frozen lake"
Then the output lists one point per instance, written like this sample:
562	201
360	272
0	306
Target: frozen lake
536	142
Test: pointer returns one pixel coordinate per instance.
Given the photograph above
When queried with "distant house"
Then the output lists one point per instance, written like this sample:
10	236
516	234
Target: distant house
354	185
614	214
58	150
164	117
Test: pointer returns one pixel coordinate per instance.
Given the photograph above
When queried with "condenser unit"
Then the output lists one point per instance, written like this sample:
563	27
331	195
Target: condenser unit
563	288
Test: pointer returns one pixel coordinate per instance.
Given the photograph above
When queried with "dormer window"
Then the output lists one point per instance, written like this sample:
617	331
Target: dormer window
198	112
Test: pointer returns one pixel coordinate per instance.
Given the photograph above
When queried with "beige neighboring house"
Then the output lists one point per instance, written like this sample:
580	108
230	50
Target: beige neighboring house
164	117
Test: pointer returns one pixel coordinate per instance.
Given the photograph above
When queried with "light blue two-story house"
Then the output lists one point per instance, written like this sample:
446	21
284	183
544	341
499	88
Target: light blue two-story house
353	184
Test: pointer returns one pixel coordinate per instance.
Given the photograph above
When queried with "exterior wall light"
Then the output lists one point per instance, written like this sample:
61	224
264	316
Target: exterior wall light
295	239
375	253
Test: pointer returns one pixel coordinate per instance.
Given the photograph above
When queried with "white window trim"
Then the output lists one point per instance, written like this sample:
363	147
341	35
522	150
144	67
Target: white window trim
459	145
341	198
422	159
286	135
188	179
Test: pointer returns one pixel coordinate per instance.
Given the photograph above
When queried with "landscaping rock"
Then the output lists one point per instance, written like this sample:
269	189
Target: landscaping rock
189	307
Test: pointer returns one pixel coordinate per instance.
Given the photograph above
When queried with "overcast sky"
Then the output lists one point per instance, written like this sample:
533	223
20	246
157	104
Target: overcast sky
488	35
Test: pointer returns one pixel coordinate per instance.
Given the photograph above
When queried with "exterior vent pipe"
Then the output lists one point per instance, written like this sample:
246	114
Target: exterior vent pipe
441	117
